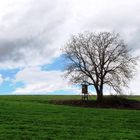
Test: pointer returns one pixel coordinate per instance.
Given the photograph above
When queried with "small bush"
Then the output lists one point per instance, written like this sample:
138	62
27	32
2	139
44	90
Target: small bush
115	99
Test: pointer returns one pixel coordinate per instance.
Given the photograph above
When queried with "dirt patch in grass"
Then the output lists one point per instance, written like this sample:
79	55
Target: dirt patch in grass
108	102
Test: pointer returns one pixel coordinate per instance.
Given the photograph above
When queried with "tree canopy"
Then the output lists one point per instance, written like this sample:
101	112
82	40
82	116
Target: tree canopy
99	59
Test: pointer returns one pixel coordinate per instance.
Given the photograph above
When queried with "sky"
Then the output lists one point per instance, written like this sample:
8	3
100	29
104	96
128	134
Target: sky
33	32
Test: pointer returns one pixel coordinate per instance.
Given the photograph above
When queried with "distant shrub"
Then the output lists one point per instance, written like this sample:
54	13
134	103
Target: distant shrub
115	99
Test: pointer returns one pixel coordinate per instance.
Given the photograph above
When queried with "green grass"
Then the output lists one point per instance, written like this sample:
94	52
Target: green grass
134	97
33	118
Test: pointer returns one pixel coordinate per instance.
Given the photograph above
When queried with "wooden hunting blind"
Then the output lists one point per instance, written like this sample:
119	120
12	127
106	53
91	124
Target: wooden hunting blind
84	92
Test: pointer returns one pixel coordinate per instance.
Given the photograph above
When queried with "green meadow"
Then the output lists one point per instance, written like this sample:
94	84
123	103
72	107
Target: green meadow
34	118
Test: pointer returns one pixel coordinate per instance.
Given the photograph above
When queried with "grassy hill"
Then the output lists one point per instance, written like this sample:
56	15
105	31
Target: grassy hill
34	118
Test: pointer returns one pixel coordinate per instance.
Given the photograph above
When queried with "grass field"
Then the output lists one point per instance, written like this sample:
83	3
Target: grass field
33	118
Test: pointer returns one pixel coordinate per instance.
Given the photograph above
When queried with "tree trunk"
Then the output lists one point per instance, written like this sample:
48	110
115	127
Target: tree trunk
99	94
99	97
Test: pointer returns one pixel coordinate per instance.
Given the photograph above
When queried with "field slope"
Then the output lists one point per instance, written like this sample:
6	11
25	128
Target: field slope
33	118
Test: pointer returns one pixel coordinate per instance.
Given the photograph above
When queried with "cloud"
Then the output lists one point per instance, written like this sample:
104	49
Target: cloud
1	79
134	84
41	82
32	32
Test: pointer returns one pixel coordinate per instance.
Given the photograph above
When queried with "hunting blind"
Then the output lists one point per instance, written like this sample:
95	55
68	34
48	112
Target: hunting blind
84	92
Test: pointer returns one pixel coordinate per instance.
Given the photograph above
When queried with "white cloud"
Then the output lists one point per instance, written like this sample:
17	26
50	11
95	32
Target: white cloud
134	88
32	32
41	82
134	85
37	81
1	79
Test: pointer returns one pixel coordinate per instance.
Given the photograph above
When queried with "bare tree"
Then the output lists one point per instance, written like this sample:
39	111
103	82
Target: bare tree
99	59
